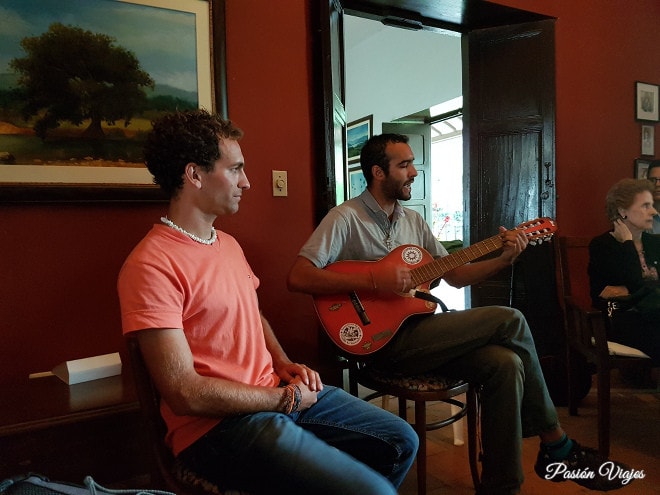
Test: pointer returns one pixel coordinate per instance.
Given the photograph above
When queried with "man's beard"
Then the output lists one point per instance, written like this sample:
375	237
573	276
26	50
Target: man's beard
400	193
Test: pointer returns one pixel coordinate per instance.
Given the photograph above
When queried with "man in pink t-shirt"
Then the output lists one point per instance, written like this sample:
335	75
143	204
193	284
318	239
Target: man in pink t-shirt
233	401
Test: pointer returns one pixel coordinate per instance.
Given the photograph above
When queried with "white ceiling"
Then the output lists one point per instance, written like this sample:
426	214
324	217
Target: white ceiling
358	30
393	72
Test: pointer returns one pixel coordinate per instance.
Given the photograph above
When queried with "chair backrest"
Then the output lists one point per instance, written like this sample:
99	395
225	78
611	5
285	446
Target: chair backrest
572	261
586	326
163	458
167	473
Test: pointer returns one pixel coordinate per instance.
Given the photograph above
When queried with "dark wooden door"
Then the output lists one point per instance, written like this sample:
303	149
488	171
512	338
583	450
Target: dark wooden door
508	131
509	106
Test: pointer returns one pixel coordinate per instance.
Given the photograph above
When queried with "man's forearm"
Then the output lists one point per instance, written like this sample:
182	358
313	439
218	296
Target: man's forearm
473	273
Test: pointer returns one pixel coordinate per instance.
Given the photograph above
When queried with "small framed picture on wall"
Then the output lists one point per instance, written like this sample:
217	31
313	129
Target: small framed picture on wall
646	102
648	140
356	182
641	168
357	133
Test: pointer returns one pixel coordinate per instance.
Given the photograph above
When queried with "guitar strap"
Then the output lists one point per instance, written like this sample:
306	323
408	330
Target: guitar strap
427	296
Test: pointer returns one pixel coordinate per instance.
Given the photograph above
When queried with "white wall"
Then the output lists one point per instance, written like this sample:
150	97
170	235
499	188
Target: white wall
392	72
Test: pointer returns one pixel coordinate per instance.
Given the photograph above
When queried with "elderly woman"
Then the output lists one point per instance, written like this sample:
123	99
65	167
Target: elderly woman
625	259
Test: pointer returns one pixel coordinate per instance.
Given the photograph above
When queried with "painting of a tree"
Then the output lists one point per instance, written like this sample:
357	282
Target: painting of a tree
81	82
71	74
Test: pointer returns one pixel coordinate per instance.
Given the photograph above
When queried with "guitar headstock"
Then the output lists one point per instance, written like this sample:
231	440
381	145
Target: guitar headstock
538	230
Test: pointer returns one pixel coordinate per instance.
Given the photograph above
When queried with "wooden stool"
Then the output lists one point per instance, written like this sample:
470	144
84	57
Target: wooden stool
421	389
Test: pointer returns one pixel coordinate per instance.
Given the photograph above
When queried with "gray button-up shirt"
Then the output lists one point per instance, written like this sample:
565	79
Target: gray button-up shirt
360	230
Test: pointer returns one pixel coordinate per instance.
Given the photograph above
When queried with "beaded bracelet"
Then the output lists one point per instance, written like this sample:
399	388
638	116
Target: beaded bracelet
287	400
292	399
297	398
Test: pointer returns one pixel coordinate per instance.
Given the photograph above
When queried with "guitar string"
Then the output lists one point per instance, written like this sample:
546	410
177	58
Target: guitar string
430	270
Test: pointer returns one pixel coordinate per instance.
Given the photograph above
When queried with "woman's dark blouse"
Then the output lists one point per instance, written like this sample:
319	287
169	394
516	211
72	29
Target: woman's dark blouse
617	263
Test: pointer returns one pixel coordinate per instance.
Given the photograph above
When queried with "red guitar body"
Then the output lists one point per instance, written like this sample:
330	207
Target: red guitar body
359	322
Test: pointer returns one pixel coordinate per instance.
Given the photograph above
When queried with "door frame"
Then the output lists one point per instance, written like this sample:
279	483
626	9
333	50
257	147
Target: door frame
329	125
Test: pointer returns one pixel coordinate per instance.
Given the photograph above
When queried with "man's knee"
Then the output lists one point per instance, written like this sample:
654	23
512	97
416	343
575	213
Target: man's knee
512	316
503	365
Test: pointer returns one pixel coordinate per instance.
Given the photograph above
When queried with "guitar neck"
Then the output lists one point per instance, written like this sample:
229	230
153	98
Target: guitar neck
437	268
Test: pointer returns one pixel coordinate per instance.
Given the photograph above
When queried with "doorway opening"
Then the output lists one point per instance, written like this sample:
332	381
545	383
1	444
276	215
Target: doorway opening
447	187
392	73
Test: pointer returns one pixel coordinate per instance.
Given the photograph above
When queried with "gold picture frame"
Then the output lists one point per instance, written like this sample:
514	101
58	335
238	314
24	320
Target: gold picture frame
137	24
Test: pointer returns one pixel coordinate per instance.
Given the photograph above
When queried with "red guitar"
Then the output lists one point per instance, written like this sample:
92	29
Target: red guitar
361	324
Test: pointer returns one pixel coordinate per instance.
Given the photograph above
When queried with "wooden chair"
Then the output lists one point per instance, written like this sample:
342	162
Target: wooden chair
586	333
421	389
167	473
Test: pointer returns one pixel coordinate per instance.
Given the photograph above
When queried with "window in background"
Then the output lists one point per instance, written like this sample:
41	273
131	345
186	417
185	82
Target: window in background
447	187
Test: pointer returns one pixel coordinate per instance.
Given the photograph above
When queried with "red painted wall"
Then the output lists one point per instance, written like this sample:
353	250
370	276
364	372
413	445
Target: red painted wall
58	263
602	48
58	267
269	79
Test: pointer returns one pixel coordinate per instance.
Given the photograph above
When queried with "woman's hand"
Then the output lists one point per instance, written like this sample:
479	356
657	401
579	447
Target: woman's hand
621	231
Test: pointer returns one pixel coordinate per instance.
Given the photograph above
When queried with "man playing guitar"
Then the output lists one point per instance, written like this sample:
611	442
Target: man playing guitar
491	346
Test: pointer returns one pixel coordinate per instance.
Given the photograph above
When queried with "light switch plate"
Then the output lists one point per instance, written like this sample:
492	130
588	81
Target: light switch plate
280	183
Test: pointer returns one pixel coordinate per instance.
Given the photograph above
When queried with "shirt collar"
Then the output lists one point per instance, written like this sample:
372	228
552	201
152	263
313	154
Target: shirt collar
371	203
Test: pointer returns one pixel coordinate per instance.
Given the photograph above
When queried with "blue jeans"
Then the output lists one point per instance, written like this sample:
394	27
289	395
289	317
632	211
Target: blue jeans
491	346
341	445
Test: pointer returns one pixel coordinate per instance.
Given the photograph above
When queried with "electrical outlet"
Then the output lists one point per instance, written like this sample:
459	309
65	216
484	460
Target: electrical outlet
280	183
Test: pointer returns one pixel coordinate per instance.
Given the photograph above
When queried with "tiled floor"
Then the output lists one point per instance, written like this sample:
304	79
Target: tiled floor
635	441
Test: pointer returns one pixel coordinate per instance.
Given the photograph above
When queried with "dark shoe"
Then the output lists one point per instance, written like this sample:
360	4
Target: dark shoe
585	467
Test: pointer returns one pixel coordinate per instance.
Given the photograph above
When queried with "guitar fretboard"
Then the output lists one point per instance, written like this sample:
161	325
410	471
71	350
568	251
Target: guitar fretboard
437	268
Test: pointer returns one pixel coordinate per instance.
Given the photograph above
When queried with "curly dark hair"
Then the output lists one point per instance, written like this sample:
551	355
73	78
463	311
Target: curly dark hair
373	153
185	137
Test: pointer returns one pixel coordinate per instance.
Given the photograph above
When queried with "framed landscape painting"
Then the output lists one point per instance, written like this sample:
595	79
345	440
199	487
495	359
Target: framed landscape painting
357	133
76	133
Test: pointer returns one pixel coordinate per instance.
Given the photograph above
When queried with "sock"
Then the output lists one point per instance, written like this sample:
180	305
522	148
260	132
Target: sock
560	449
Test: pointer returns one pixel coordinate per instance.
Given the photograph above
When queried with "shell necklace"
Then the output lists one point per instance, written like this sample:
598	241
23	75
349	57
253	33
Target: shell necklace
195	238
